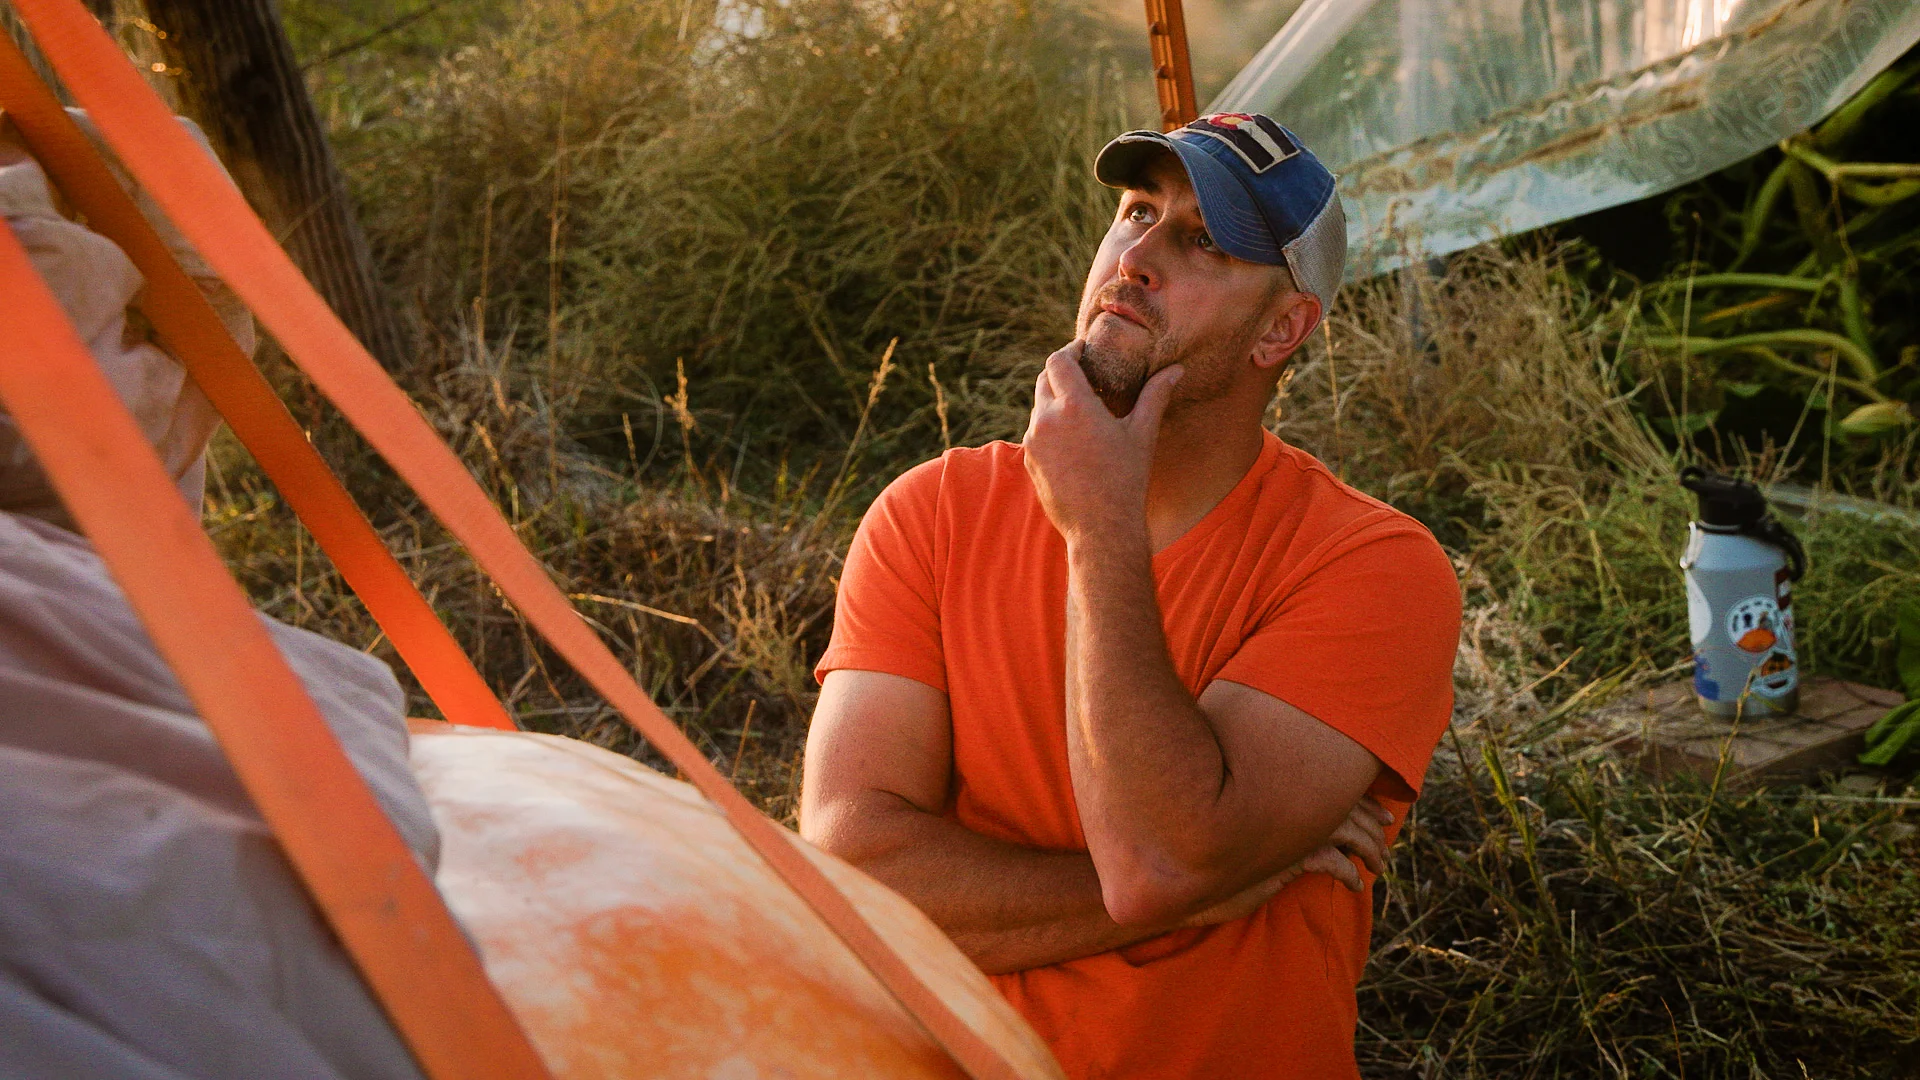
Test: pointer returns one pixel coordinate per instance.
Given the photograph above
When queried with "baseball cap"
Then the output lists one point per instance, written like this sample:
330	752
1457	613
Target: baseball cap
1264	196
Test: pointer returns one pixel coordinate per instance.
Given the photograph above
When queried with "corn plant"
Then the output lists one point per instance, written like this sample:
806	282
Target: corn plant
1814	294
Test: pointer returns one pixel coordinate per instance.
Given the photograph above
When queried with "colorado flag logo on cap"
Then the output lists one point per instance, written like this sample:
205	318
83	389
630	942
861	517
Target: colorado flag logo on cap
1259	141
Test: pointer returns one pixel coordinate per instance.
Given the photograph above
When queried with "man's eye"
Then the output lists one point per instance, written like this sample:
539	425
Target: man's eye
1206	242
1140	214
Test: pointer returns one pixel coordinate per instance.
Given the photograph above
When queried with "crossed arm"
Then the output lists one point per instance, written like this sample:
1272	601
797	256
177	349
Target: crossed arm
878	776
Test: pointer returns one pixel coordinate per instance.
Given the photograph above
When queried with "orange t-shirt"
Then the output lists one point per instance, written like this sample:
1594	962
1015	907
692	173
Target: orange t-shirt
1296	585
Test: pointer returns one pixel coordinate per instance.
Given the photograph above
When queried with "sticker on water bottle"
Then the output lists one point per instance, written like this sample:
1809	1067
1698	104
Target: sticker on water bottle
1703	682
1753	624
1776	674
1759	627
1699	615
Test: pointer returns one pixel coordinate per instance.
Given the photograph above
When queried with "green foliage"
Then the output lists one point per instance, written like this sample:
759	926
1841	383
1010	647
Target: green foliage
1896	733
1906	659
1890	735
341	42
1859	571
1796	273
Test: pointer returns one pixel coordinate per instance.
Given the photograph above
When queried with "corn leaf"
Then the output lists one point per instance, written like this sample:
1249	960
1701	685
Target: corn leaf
1891	734
1907	659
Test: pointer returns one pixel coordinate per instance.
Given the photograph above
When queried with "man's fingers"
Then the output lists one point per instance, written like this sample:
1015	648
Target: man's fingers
1361	823
1069	379
1050	385
1334	862
1360	835
1380	813
1349	875
1374	830
1373	852
1373	856
1154	396
1062	358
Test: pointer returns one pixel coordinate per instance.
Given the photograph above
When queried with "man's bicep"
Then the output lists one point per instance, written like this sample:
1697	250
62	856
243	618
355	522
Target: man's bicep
1291	779
1366	645
877	742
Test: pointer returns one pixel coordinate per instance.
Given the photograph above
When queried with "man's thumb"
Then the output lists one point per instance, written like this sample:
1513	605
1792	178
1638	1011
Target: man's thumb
1155	395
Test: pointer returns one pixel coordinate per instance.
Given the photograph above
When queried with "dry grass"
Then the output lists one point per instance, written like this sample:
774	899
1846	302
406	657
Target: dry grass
1423	386
635	196
1551	913
1492	403
716	603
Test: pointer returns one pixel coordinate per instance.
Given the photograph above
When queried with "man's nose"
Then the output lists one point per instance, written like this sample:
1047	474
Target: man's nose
1140	262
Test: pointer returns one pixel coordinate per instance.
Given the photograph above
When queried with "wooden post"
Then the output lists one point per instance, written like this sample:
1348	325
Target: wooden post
1172	68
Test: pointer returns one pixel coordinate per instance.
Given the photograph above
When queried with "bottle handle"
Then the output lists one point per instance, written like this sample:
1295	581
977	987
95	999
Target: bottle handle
1773	532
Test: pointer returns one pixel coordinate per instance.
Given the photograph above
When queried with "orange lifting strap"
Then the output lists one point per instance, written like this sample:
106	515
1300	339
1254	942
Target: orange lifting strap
360	872
353	862
194	334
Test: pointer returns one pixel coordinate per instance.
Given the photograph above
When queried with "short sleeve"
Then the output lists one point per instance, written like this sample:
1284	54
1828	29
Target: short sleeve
886	616
1365	644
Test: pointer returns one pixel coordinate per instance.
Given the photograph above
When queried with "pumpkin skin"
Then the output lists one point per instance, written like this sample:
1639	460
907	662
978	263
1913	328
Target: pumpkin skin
634	934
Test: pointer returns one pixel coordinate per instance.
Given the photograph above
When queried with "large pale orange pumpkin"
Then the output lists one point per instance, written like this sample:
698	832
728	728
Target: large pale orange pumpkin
636	935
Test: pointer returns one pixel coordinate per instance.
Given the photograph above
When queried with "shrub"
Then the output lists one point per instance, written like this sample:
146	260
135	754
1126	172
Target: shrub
763	205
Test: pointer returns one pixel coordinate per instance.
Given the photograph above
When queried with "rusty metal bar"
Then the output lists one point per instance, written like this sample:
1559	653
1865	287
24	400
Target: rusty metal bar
1172	68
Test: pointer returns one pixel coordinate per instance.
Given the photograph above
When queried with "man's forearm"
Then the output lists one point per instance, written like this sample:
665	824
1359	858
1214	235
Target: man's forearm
1148	769
1009	907
1144	751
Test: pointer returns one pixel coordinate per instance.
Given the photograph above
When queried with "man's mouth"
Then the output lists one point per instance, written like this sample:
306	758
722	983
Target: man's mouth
1122	311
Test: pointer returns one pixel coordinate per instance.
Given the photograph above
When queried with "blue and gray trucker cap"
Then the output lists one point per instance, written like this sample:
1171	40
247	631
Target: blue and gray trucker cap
1265	198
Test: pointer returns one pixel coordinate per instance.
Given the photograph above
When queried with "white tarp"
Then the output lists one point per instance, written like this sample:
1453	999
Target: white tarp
1451	122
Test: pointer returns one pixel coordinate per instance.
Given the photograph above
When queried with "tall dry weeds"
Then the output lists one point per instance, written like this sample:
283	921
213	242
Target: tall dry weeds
1424	385
761	196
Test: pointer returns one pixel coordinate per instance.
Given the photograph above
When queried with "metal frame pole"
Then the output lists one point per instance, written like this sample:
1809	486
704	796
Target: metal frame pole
1172	68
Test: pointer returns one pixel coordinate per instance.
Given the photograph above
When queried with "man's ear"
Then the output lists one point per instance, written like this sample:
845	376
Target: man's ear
1294	316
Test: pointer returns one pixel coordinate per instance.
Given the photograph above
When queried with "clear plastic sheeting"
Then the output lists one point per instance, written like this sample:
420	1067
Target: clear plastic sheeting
1452	122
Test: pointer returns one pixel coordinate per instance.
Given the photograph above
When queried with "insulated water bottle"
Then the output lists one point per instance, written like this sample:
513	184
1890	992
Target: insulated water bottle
1740	566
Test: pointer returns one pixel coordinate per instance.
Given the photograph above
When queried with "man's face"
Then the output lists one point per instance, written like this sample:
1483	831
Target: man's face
1160	293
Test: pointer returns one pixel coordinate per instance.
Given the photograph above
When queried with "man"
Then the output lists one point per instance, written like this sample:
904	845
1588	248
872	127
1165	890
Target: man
1095	701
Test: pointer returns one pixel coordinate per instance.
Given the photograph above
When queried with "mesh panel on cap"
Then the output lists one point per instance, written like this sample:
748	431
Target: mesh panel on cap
1318	256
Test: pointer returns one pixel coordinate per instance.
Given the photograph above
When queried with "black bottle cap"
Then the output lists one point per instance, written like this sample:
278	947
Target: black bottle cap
1725	502
1738	506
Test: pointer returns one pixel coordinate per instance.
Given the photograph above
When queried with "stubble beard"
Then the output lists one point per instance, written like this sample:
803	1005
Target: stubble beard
1119	372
